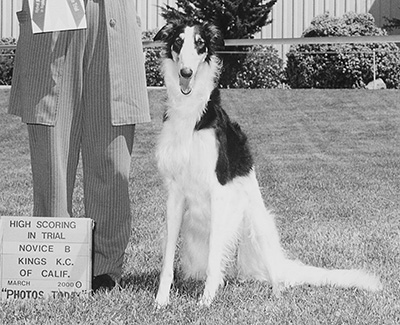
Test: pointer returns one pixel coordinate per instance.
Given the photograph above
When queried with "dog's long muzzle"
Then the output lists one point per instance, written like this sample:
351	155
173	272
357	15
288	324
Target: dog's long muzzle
185	78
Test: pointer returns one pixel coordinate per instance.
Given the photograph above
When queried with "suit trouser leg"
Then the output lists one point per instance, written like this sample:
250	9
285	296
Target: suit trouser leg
54	161
55	149
106	156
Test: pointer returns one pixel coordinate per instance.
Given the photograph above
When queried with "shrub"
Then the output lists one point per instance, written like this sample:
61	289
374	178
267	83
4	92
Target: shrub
342	65
262	68
152	61
6	61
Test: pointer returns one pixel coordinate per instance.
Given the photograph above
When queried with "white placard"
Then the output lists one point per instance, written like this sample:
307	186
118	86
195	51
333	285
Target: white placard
42	257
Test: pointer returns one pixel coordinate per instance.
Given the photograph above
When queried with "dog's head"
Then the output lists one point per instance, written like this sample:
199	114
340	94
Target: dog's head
189	46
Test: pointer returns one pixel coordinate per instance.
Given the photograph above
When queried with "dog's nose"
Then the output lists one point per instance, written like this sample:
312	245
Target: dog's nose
186	73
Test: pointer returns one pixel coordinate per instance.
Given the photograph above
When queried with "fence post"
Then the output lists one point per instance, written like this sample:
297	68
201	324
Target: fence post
374	67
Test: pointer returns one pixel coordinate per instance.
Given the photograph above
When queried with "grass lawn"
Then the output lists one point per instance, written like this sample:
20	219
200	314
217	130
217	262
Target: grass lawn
328	163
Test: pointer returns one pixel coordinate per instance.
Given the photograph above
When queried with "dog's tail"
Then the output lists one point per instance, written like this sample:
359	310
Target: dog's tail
297	273
261	256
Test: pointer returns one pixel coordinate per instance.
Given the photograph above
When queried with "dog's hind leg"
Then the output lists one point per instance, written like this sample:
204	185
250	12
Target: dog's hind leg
175	209
269	251
260	255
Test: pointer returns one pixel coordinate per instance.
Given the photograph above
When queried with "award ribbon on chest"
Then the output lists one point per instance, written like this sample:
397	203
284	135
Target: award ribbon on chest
57	15
77	10
39	13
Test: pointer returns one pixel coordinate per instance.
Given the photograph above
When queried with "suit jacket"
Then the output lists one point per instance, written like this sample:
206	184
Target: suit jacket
40	60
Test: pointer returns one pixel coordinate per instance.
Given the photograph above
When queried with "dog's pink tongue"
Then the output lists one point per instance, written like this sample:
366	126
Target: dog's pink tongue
184	83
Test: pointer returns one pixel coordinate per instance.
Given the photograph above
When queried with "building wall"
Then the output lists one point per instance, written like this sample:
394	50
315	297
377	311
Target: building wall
8	18
290	17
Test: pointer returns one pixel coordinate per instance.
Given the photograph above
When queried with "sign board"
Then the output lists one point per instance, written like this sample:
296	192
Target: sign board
42	257
56	15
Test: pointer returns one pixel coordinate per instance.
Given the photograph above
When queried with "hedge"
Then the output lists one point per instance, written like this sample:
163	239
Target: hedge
342	65
262	68
6	61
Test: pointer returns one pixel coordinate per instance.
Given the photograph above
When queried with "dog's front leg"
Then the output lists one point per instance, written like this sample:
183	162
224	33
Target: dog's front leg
175	206
223	228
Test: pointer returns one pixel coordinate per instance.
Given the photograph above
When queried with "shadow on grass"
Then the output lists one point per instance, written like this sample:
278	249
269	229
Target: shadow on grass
148	281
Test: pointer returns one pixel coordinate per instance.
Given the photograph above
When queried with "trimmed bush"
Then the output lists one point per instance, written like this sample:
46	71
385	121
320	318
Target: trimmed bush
262	68
342	65
152	61
6	61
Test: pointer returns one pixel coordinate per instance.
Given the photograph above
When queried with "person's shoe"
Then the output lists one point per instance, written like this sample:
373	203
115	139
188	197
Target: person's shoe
102	282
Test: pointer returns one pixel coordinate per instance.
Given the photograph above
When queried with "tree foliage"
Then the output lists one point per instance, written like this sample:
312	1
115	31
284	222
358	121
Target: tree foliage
234	18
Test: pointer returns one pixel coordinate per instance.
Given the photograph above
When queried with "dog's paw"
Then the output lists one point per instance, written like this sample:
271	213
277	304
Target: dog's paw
277	289
161	301
205	300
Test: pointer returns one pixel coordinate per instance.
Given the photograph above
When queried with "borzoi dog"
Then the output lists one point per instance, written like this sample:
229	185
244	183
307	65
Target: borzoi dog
214	199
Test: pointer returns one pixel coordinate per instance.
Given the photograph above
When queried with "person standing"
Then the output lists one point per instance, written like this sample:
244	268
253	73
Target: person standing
81	92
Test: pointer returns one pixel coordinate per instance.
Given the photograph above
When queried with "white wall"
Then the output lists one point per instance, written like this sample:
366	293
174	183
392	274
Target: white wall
8	18
290	17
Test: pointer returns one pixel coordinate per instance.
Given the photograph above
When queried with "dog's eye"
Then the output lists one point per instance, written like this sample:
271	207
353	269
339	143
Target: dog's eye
178	44
200	43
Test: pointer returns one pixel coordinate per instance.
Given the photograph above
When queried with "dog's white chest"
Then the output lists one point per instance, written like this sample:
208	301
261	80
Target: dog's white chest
185	155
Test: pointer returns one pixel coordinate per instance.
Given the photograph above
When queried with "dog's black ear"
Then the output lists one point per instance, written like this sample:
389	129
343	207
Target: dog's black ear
163	34
214	35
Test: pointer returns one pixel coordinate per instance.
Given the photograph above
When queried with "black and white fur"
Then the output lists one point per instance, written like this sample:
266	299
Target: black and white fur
214	200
